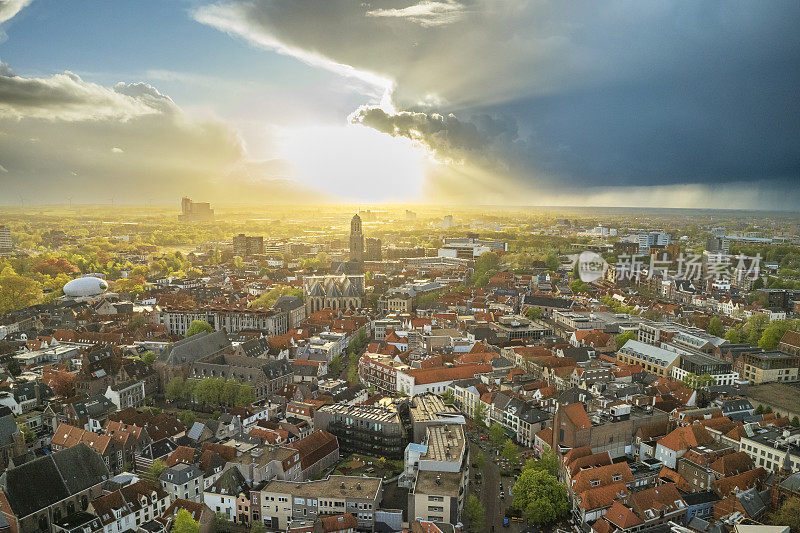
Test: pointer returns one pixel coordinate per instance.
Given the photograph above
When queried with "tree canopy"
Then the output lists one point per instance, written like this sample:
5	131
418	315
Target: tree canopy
198	326
540	496
184	523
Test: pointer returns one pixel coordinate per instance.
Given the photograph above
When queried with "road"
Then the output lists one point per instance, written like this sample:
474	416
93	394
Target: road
489	491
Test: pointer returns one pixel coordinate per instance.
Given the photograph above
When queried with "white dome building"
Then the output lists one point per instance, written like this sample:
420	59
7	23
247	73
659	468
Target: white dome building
85	287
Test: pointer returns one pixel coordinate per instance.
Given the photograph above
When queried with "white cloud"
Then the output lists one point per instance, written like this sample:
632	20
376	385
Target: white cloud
117	150
425	13
9	8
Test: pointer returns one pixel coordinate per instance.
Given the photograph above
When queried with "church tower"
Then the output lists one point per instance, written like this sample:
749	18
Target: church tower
356	240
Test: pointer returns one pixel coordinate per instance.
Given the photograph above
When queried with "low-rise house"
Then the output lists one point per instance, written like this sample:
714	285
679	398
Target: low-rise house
230	495
39	492
318	452
284	501
129	507
184	481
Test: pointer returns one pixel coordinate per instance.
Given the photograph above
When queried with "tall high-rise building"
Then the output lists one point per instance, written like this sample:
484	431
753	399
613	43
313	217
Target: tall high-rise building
195	211
356	240
6	244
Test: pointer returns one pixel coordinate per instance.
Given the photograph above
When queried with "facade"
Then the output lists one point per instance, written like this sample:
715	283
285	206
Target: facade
699	364
248	245
183	481
195	211
232	320
282	501
6	244
335	291
370	430
651	358
356	240
416	381
373	250
380	371
130	507
767	367
126	394
40	492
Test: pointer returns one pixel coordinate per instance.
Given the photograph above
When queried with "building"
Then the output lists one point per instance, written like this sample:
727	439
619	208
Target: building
248	245
367	429
184	481
356	240
773	449
335	291
126	394
758	366
613	430
514	327
40	492
130	507
266	377
231	319
195	211
437	496
283	501
651	358
373	250
318	452
653	238
416	381
6	244
230	495
700	364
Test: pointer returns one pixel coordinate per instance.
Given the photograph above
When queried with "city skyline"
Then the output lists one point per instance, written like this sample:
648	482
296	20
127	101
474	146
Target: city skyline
645	104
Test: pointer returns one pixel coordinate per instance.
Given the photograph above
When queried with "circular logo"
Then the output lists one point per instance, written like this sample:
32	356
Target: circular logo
591	266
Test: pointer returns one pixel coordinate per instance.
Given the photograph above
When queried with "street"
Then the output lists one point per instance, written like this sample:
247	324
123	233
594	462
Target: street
489	491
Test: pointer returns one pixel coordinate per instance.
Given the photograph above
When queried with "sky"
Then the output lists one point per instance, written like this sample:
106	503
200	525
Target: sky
640	103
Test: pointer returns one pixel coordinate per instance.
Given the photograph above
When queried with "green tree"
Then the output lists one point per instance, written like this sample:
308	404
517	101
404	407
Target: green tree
759	409
174	389
775	331
155	470
540	496
473	510
715	327
552	262
187	418
534	313
480	415
754	327
17	291
230	392
509	451
787	515
480	461
198	326
497	435
335	366
735	335
548	462
622	338
795	422
148	357
184	523
221	523
246	396
27	432
258	527
448	396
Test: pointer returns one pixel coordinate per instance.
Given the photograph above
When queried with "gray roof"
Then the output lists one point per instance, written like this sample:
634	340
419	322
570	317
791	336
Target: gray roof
231	482
8	428
180	473
195	347
41	483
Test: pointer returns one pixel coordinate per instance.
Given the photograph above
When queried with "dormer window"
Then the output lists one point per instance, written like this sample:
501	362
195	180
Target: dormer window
616	477
594	482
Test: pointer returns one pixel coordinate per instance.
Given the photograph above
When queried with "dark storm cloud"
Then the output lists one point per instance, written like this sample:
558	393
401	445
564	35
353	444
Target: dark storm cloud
598	93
